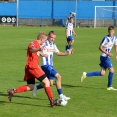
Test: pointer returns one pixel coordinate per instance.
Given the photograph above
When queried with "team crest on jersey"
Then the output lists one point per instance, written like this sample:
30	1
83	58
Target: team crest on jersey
32	44
110	45
50	50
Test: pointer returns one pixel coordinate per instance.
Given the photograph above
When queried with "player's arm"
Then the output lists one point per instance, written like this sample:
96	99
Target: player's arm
74	33
33	49
66	31
115	45
116	51
63	53
43	55
102	50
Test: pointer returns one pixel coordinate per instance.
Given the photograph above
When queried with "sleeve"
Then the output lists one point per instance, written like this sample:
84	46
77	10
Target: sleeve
66	25
31	45
115	41
103	41
55	48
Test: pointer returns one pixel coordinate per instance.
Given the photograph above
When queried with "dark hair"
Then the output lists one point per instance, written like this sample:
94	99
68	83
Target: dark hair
70	18
52	32
110	28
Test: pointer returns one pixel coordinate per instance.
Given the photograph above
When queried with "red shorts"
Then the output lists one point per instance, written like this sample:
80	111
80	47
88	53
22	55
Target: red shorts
32	73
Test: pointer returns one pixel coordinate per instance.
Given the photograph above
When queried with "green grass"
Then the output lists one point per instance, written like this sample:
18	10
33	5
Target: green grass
88	99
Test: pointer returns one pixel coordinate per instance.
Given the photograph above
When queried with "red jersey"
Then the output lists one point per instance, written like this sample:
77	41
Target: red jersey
32	57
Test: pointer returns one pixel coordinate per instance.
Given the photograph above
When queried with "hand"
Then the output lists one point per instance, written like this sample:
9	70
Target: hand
110	55
116	58
42	48
45	55
75	35
70	51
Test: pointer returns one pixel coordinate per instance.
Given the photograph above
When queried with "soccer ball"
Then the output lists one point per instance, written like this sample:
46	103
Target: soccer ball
62	102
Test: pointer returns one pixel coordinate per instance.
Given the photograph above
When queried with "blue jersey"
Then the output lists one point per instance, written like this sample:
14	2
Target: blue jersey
107	44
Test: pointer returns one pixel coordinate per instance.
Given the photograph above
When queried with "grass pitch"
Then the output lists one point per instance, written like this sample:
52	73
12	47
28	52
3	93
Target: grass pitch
88	99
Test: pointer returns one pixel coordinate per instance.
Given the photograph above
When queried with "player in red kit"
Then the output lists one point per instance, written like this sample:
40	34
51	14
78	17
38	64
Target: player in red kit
33	71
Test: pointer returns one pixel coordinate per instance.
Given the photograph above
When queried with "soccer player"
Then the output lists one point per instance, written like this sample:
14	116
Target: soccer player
47	65
105	62
33	71
70	15
69	34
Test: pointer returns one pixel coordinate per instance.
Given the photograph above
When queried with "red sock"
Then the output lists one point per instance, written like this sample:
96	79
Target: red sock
49	93
20	89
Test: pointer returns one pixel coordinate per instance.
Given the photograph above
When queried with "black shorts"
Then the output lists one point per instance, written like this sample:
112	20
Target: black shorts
32	81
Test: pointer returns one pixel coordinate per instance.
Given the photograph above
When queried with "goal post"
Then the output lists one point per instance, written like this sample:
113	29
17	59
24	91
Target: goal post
105	16
17	12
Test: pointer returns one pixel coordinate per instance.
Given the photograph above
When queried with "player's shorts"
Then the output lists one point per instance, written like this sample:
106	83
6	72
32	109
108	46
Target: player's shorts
32	73
70	38
105	62
50	72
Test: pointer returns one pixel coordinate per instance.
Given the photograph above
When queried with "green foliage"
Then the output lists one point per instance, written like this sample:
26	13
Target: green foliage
88	99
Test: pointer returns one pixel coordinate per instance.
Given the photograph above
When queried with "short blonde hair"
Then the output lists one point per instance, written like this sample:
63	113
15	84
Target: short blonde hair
41	35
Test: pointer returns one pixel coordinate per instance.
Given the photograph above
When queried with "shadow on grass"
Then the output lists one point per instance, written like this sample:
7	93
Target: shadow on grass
27	104
19	96
7	102
69	86
74	86
14	96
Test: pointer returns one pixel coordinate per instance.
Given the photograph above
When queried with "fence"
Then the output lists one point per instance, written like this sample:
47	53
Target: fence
51	12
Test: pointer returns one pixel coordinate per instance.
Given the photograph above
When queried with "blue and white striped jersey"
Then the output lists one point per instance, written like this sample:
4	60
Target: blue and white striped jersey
69	27
50	48
107	44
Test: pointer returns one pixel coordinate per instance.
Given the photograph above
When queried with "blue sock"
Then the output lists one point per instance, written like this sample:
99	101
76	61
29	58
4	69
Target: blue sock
59	91
70	46
39	86
110	77
67	47
93	74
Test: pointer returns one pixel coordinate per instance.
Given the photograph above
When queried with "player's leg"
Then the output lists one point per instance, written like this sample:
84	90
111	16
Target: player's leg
90	74
23	88
48	90
96	73
40	75
30	85
47	71
110	75
40	86
58	86
71	43
67	46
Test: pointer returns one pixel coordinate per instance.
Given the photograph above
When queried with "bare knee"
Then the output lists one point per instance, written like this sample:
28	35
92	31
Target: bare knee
46	82
72	41
51	82
111	70
30	87
103	73
58	76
